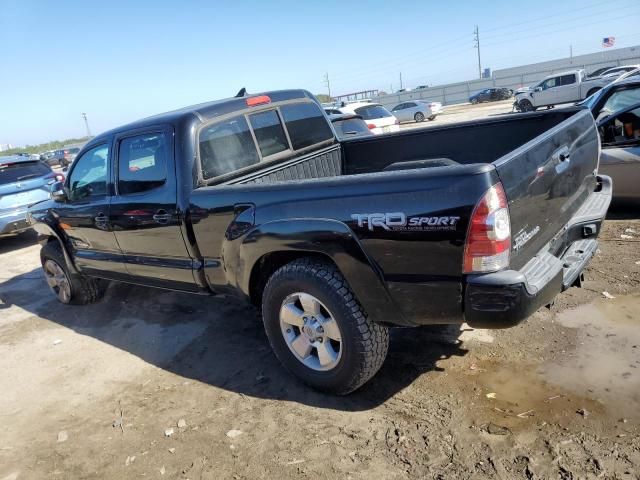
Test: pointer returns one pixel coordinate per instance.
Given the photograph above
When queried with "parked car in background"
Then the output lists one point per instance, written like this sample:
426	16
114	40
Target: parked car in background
349	126
421	87
416	111
491	95
617	71
616	108
563	87
598	72
332	111
379	119
64	156
23	182
45	156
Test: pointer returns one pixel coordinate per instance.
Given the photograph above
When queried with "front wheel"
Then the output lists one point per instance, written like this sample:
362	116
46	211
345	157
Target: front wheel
526	106
318	330
419	117
68	287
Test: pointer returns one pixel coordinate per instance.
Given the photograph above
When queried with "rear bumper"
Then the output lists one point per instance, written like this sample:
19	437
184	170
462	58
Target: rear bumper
13	222
504	299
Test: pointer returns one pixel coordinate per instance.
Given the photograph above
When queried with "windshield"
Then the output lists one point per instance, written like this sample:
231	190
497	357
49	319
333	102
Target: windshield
12	172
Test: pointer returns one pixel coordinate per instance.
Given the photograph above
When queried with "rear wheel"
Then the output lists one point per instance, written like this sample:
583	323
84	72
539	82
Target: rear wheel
419	117
432	118
318	330
474	101
68	287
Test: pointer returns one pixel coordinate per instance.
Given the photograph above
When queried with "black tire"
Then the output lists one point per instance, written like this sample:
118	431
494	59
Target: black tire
432	118
526	106
83	290
419	117
364	344
474	101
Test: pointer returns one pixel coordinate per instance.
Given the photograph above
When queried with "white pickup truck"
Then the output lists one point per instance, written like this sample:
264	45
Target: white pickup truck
563	87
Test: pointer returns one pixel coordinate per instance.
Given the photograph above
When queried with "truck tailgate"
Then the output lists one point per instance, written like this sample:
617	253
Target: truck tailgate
546	181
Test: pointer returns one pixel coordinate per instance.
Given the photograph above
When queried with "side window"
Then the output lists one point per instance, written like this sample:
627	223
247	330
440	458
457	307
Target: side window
306	124
269	132
550	83
621	129
568	79
226	147
142	163
89	175
399	107
411	105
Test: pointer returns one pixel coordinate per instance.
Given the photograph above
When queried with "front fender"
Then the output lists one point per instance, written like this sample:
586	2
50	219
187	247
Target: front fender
47	226
327	237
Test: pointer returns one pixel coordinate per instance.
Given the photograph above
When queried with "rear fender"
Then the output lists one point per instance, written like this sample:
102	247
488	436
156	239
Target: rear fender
327	237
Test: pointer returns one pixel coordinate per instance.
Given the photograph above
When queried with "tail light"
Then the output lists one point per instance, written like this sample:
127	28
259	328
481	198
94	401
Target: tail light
55	177
371	126
489	235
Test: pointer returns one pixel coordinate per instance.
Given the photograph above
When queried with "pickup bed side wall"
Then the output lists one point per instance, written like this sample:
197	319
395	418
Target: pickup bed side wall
419	263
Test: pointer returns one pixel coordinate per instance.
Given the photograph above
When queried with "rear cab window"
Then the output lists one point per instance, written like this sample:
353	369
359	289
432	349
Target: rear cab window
247	139
371	112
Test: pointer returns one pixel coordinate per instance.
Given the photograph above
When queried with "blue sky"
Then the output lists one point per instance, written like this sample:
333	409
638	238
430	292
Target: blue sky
122	60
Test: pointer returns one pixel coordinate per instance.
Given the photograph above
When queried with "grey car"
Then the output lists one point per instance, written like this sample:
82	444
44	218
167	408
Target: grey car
616	109
620	155
416	111
23	182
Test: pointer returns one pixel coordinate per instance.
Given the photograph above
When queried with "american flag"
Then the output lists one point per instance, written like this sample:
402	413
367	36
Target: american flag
608	41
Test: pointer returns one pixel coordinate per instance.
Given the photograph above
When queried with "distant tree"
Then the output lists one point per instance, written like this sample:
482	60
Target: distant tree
43	147
323	98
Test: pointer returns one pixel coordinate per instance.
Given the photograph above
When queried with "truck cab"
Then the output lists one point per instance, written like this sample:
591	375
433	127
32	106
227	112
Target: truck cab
559	88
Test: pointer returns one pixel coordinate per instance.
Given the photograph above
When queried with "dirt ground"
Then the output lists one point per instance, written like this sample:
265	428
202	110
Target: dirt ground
91	392
154	384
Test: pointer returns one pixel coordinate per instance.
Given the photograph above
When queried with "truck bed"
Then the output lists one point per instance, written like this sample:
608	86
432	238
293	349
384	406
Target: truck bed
483	141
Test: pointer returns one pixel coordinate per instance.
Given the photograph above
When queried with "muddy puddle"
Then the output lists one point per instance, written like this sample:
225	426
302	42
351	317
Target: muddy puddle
601	373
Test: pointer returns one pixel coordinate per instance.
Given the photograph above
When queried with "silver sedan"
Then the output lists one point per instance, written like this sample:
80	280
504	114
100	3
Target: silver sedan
416	111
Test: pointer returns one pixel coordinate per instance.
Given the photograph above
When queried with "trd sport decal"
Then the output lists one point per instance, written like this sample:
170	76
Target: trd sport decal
398	221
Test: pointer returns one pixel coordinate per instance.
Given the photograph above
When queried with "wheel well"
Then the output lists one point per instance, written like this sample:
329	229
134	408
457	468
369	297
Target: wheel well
268	264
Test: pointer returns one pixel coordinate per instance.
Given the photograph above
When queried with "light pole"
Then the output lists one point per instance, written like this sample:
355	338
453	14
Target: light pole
86	124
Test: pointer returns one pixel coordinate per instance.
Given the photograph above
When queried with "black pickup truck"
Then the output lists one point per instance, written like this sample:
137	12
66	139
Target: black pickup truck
481	222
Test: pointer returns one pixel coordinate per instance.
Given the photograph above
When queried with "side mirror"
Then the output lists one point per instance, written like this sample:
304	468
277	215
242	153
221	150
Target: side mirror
537	89
58	193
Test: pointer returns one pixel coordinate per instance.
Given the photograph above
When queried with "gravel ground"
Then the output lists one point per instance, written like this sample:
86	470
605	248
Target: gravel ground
155	384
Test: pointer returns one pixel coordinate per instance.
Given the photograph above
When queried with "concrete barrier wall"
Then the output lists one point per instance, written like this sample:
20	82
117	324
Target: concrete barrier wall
515	77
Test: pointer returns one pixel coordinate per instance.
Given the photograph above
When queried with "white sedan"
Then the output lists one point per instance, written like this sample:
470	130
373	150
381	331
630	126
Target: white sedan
378	119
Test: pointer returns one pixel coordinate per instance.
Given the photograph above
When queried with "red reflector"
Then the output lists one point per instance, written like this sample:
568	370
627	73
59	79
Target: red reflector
137	213
371	126
259	100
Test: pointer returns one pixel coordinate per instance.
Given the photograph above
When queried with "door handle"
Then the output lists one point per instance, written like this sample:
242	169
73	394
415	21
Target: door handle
162	217
101	220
